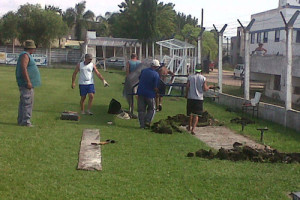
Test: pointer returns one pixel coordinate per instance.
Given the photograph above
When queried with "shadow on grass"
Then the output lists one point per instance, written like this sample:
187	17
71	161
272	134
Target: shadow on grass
9	124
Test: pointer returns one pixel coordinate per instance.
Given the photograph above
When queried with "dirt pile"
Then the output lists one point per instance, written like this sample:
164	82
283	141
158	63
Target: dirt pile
172	124
240	152
242	120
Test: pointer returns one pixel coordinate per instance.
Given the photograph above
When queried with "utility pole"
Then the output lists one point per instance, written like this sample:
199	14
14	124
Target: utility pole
227	47
199	60
220	64
247	59
289	59
201	34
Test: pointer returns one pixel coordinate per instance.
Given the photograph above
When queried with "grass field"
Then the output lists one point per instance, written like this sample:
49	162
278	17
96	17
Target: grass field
40	162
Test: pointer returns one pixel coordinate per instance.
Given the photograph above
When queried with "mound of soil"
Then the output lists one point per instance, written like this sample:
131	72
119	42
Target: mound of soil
242	120
172	124
240	152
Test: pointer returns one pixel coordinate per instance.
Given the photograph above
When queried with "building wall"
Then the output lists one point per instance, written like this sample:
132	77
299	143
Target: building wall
270	21
265	68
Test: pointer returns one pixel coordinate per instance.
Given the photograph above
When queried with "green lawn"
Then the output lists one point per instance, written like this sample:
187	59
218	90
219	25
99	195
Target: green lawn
40	162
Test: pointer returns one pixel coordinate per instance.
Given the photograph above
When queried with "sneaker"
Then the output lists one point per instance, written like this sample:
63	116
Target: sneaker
89	112
27	125
159	107
147	125
82	112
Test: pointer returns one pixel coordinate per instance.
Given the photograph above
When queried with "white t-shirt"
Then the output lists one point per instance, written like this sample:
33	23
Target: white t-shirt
196	86
86	74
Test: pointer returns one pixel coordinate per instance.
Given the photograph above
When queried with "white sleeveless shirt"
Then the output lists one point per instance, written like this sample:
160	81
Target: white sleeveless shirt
86	74
196	86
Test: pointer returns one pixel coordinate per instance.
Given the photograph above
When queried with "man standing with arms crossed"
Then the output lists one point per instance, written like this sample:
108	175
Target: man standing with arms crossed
195	87
28	77
86	81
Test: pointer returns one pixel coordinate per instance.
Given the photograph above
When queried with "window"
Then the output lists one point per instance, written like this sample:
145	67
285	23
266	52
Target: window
297	90
258	39
265	37
277	35
252	38
277	82
298	37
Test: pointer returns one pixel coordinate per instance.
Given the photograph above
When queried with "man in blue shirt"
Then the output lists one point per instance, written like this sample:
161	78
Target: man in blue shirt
147	91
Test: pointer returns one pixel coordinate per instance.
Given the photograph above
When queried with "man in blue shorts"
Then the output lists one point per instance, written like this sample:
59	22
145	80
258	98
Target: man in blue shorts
147	91
195	87
86	81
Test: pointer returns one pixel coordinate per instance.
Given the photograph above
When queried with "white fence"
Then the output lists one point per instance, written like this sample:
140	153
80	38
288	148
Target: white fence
41	55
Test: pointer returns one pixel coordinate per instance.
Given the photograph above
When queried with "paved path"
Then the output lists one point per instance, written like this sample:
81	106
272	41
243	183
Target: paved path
227	78
220	136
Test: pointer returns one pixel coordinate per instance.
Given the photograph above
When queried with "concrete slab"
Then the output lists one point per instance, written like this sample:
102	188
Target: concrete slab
220	136
90	155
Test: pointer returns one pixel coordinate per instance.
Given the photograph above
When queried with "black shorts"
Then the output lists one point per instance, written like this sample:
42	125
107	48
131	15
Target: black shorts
194	106
162	87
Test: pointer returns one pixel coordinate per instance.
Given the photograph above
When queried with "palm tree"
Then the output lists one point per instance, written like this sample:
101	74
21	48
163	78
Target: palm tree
78	18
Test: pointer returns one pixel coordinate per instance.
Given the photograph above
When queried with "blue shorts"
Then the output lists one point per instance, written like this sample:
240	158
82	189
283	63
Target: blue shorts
86	89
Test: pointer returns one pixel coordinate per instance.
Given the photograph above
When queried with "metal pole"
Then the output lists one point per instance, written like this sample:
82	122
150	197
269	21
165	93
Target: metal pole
141	52
247	66
199	50
289	56
147	49
153	53
160	53
227	46
220	81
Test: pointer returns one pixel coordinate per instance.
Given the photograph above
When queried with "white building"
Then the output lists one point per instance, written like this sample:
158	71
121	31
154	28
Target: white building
269	28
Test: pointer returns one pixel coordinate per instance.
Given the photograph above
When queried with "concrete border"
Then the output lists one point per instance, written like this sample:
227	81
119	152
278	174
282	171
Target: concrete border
266	111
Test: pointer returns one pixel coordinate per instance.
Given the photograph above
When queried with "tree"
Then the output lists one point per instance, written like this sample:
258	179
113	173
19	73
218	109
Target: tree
148	28
166	26
190	34
10	27
53	8
103	26
43	26
181	20
78	18
209	45
69	16
127	22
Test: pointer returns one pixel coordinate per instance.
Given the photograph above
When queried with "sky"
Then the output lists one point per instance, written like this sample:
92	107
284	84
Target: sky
217	12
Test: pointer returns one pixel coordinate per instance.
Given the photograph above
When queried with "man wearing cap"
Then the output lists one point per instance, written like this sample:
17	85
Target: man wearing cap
147	91
28	77
86	81
195	87
163	72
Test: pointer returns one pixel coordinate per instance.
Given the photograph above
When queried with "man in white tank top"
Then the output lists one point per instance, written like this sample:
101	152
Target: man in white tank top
195	87
86	81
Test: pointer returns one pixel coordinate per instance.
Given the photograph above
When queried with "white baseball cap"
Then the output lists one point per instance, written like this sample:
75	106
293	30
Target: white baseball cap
155	63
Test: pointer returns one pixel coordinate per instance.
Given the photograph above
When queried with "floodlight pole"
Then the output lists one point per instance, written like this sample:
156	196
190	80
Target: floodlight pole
247	58
220	64
289	59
